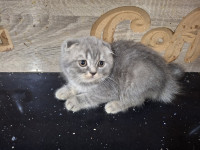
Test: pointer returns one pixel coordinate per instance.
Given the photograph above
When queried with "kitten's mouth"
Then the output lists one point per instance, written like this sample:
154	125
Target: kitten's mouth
92	78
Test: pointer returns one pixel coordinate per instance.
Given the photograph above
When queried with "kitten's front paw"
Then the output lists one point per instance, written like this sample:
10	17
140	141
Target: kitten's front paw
113	107
64	93
72	104
61	94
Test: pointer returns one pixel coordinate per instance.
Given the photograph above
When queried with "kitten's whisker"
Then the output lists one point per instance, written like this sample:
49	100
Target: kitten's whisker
112	79
109	84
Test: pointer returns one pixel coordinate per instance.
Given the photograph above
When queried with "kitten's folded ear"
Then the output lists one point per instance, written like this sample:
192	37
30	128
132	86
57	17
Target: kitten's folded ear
69	44
106	44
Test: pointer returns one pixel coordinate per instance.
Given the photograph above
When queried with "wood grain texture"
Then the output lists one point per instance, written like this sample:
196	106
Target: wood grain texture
38	27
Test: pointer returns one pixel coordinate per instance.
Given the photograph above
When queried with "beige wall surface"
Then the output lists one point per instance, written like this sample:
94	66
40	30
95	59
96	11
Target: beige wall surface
38	27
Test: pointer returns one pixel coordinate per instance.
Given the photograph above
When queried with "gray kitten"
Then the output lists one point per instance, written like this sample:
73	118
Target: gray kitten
122	75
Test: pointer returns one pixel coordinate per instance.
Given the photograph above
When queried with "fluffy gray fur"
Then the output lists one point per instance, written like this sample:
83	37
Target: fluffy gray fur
131	73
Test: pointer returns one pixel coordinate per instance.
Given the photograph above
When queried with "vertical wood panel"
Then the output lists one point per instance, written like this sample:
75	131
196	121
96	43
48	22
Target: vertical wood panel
38	27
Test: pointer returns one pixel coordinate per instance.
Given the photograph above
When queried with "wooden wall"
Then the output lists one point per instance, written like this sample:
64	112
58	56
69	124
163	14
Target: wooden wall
38	27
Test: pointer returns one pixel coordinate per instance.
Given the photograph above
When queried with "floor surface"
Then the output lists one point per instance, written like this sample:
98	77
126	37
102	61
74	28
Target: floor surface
31	118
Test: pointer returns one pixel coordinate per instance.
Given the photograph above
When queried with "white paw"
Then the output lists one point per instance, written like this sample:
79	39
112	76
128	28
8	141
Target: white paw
64	93
72	104
113	107
61	94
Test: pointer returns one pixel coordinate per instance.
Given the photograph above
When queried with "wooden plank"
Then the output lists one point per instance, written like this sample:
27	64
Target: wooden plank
37	46
38	27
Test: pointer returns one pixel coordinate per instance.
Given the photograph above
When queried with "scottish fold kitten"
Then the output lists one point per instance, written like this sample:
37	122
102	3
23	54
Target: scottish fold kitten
122	75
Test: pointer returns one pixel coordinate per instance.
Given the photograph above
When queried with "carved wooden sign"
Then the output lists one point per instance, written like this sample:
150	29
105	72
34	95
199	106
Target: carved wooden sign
105	26
159	39
187	31
6	43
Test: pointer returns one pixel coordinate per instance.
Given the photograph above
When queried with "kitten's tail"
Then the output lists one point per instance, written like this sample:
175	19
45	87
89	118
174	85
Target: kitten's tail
172	87
176	70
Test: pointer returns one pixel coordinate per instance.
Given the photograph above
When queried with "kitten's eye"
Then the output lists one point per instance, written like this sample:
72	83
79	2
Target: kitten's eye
82	63
101	63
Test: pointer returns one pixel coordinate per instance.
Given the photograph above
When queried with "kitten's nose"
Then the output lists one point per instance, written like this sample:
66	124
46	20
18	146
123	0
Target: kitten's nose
93	73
